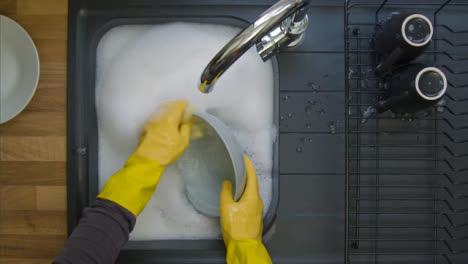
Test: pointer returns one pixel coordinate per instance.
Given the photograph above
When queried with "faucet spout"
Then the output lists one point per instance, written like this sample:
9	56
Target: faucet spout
282	25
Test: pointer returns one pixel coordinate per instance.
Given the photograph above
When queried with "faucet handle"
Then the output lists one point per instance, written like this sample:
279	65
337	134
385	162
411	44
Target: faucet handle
290	33
270	43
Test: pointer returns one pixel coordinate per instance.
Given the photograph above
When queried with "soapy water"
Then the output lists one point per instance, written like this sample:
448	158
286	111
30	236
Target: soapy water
141	66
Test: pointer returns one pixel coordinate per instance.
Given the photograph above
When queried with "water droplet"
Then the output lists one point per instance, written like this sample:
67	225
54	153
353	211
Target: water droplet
310	140
299	149
308	125
331	127
351	72
281	117
440	109
290	115
325	76
286	98
321	111
315	87
363	84
441	102
308	110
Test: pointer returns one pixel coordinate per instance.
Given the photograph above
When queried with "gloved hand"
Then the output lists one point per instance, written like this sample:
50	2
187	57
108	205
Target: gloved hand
164	139
241	222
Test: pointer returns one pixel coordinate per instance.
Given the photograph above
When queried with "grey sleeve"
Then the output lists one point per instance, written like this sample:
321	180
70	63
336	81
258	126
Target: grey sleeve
102	231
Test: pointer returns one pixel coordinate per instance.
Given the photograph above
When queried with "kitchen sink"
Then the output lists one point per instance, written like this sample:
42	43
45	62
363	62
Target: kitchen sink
305	222
347	187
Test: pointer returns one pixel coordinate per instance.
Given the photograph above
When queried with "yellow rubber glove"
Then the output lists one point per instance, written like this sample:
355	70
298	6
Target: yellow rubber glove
241	222
164	139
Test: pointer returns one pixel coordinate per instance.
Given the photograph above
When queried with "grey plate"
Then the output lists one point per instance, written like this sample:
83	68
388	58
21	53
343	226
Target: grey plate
211	159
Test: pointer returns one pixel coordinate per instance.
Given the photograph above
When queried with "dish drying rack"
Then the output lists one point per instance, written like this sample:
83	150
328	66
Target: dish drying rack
406	178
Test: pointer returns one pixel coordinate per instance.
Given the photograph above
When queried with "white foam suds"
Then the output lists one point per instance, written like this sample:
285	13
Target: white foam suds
138	67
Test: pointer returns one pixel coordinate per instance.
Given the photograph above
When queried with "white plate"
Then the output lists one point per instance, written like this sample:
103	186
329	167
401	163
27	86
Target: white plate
19	69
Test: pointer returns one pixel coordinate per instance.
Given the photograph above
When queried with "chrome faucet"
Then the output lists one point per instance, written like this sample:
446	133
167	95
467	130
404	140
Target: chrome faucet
282	25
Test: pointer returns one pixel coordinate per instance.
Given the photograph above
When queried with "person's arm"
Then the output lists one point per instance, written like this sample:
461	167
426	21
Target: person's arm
105	226
241	222
101	233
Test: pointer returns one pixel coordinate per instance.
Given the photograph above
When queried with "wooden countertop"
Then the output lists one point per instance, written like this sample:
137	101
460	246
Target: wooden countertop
32	146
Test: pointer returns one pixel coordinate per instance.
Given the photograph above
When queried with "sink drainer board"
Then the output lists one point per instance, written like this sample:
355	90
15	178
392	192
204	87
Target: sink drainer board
82	119
407	181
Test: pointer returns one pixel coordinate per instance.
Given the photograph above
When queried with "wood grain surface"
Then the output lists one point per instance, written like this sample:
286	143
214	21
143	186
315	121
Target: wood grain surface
33	145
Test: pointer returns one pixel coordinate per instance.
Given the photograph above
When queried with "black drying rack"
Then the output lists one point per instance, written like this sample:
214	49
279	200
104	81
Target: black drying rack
407	178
